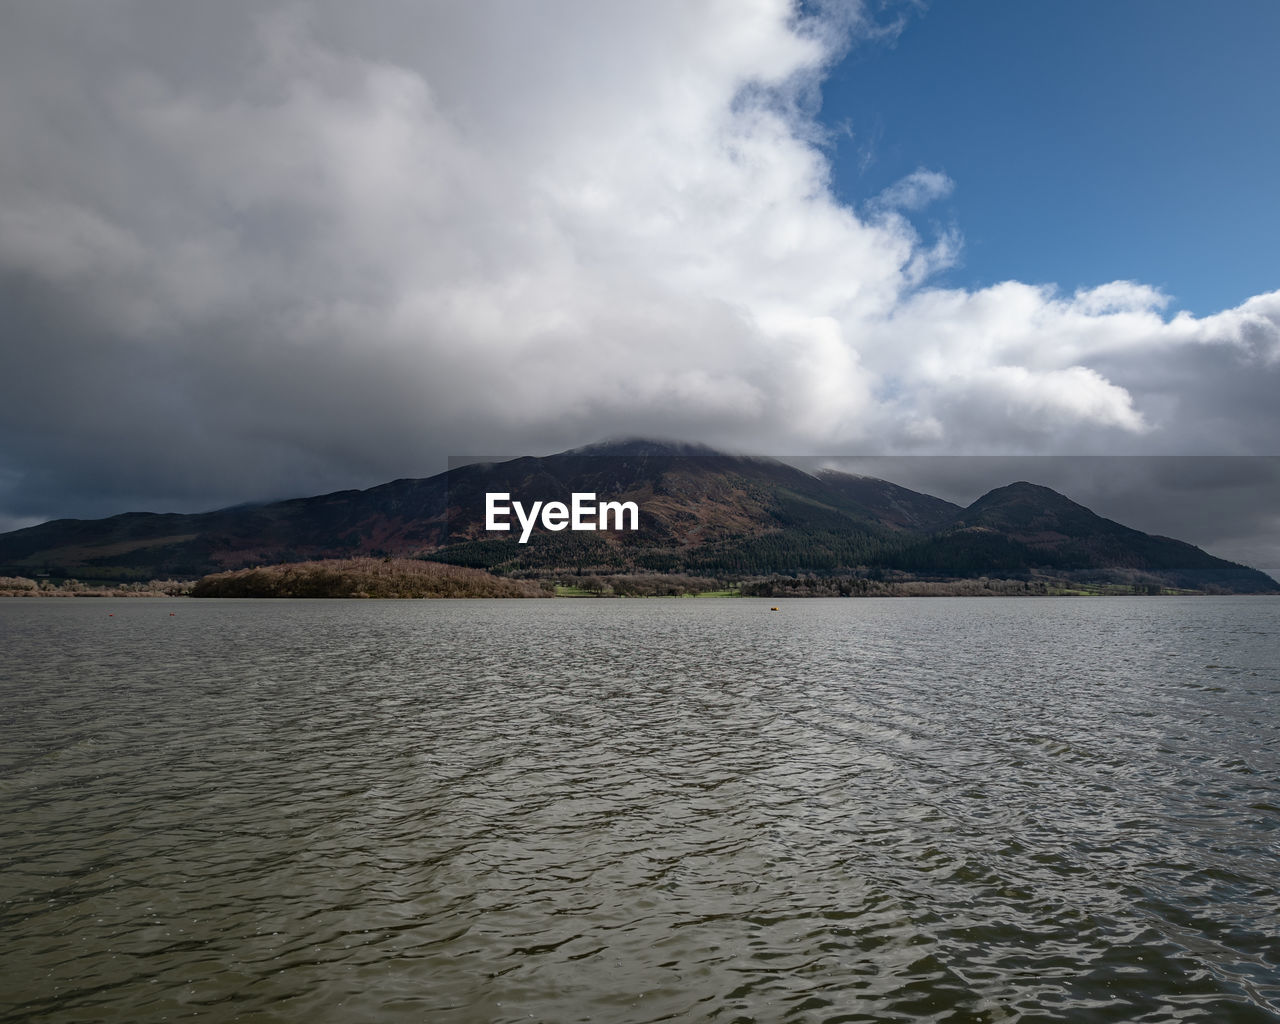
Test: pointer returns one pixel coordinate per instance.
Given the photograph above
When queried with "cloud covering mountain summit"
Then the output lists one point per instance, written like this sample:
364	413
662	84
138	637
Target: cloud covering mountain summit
256	249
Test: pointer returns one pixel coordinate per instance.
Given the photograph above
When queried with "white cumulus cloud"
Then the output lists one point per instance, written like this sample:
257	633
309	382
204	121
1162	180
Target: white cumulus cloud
291	247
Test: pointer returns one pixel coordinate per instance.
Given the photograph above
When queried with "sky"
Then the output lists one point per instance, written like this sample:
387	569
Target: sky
261	250
1085	142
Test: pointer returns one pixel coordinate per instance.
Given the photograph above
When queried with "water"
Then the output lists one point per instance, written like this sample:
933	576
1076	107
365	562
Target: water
689	810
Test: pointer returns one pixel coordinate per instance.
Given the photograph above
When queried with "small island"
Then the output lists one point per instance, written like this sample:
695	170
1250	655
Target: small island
364	577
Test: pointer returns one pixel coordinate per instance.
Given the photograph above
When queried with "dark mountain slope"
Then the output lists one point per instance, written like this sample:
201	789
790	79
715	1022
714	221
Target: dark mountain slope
693	499
705	512
1026	529
891	504
702	512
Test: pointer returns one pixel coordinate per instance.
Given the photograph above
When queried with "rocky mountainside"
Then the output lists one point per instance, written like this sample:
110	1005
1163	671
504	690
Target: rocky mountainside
701	512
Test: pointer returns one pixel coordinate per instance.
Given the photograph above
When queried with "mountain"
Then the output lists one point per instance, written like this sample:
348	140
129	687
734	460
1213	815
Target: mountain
1026	529
702	512
893	505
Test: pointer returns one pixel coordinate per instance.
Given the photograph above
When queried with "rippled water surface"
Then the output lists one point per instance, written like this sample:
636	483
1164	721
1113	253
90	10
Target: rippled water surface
689	810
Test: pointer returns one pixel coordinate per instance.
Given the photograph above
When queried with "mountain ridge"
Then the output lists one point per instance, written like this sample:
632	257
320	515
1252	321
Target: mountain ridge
704	512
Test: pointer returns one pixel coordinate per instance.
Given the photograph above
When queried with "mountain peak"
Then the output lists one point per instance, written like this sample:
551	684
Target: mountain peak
1028	509
647	446
1023	492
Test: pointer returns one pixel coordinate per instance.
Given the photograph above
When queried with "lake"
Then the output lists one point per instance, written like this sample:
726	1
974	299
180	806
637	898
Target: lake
961	810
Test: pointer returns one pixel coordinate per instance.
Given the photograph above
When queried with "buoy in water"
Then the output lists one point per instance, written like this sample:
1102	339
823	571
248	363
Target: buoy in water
774	608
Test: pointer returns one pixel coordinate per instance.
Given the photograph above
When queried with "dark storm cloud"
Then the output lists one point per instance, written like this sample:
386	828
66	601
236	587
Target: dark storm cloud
257	250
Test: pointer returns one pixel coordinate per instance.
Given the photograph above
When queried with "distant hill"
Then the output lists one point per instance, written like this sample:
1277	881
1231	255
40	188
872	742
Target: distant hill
1025	529
704	513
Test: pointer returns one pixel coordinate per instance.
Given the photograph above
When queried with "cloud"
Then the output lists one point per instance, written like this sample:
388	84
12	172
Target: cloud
914	192
288	248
